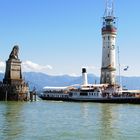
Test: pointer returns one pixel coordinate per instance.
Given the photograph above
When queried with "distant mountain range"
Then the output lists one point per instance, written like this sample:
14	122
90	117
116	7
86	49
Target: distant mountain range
39	80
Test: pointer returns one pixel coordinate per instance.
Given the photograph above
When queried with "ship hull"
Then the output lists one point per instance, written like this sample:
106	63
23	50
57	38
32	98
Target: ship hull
96	100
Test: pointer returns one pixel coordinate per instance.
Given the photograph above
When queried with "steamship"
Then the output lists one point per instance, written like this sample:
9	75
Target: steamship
103	93
107	91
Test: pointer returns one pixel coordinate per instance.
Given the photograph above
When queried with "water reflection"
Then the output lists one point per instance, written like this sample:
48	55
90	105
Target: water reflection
107	121
100	120
85	110
72	121
11	127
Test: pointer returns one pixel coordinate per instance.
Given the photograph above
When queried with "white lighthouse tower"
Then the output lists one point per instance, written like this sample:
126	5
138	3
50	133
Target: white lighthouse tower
109	32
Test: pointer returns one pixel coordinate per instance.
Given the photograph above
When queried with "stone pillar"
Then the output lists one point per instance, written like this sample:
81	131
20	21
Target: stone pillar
13	73
17	89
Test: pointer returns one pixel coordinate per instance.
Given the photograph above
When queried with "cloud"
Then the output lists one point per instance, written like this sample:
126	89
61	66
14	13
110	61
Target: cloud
29	66
2	66
74	75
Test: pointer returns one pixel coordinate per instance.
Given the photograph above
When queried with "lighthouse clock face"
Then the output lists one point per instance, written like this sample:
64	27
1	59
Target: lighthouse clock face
113	47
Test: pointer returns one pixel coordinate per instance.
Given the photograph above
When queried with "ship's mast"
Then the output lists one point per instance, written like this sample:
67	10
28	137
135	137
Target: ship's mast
109	32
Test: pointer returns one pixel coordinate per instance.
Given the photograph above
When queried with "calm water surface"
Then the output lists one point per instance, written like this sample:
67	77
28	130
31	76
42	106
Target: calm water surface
48	120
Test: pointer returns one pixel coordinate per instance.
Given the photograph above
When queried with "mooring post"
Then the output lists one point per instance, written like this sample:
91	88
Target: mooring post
31	96
35	95
6	95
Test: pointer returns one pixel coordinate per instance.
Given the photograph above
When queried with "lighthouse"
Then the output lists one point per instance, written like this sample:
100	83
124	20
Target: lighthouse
109	32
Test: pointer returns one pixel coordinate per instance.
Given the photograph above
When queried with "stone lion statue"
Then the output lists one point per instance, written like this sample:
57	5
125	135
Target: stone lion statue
14	53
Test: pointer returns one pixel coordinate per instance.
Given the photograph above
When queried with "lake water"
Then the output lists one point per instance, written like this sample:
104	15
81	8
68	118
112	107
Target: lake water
49	120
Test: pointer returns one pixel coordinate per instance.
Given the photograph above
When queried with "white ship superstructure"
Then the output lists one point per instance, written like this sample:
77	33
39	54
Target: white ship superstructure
104	93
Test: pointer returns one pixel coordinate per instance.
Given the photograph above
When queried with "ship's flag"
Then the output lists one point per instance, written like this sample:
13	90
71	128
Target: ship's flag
126	68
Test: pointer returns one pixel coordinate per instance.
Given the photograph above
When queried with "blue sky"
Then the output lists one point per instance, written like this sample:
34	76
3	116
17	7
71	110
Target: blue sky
61	36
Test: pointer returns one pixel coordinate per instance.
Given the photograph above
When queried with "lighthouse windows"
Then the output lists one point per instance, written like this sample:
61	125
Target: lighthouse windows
108	37
108	55
107	75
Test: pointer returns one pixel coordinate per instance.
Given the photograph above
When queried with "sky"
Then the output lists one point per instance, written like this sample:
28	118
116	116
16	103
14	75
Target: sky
59	37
